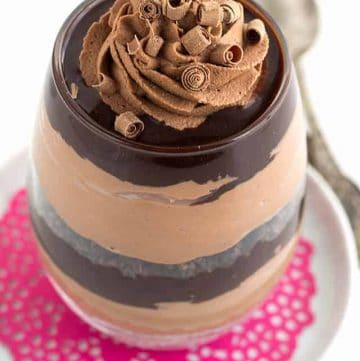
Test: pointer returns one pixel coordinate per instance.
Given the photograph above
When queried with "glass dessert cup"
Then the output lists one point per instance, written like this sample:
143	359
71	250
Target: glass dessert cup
161	246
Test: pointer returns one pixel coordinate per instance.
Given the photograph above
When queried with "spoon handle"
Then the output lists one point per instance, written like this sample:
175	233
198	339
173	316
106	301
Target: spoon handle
322	159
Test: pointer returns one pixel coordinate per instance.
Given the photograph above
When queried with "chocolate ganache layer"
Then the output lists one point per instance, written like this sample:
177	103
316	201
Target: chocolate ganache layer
123	280
174	317
169	155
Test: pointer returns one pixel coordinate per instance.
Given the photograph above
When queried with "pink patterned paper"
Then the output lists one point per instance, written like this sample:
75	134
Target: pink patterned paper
36	325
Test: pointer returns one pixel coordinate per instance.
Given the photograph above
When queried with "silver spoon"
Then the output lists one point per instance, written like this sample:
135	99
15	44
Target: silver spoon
300	22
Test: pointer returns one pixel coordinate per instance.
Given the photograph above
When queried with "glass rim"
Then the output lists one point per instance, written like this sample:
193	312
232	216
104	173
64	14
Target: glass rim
86	120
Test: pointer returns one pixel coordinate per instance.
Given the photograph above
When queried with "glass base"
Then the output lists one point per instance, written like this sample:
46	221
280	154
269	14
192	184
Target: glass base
142	340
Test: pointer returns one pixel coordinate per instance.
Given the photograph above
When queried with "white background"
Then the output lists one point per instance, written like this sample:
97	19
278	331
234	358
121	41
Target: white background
28	30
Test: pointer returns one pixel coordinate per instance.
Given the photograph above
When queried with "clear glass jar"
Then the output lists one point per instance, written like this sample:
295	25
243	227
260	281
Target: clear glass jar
160	246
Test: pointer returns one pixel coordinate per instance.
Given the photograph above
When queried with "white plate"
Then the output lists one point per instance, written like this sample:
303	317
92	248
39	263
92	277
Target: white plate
334	263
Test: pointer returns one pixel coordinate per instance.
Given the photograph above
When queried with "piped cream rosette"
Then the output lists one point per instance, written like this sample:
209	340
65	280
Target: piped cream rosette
176	60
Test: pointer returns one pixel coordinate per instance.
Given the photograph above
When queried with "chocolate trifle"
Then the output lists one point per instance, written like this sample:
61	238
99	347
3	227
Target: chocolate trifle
168	166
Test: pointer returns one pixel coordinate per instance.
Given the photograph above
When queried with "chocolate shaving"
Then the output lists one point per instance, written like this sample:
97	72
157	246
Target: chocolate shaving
74	90
195	77
129	125
176	9
149	10
227	55
255	31
196	40
107	85
232	11
209	13
153	45
133	46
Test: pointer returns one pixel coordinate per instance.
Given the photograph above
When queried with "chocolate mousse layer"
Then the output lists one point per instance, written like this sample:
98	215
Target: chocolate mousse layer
106	274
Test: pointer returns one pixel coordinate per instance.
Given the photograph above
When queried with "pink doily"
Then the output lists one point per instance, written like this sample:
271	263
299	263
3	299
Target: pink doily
36	325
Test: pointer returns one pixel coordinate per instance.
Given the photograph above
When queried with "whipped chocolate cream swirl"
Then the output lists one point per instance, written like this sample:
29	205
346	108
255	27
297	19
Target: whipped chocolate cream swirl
176	60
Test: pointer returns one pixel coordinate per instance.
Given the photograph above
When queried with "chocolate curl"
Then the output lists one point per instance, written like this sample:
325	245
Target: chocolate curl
227	55
129	125
209	13
149	10
195	77
196	40
255	31
153	46
74	90
232	11
133	46
176	9
106	85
